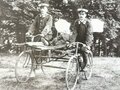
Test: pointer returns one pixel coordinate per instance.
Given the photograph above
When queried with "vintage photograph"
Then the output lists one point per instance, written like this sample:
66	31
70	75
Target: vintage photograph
59	44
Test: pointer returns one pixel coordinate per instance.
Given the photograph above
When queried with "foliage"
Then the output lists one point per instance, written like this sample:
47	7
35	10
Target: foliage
16	18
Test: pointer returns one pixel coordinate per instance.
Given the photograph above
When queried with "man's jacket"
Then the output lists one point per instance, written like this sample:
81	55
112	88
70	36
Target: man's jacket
84	32
42	25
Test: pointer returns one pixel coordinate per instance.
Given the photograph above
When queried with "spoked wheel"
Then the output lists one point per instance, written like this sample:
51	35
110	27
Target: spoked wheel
23	67
72	73
89	65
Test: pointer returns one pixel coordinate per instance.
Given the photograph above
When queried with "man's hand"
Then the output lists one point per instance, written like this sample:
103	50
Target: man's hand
88	47
42	35
28	34
67	43
85	48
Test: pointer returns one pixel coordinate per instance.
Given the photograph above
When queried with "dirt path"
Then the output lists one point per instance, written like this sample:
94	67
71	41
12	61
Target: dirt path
106	76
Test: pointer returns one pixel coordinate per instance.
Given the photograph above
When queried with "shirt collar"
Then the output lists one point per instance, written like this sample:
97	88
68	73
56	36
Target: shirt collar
43	16
82	21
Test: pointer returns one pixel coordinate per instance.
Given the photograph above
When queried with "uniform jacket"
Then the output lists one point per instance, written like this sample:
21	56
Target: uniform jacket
42	26
84	32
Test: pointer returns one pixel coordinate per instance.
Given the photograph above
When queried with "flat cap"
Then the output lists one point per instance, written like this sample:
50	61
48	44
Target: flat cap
43	5
82	10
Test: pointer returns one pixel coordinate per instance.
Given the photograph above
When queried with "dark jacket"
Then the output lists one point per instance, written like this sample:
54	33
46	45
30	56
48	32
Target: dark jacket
84	32
42	26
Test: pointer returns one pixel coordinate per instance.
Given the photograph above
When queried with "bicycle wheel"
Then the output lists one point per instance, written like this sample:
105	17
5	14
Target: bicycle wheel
23	67
88	68
72	73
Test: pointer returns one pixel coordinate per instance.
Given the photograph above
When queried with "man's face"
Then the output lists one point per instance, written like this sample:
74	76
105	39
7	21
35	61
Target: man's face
82	15
43	10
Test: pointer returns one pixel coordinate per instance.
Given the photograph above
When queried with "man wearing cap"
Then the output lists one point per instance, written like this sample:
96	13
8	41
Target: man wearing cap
42	24
83	29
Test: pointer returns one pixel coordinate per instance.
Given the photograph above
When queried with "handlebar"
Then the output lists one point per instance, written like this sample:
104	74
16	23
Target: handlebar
79	45
41	38
33	36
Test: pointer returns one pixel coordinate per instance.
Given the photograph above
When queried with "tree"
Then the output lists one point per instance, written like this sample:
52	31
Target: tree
18	16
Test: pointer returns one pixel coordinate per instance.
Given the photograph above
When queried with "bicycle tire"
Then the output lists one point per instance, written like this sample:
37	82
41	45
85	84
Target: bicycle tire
23	67
74	62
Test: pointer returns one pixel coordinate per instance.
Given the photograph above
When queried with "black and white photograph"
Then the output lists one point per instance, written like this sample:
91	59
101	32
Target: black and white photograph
59	44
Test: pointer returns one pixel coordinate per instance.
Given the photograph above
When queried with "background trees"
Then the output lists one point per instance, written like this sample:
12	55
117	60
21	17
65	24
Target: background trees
17	15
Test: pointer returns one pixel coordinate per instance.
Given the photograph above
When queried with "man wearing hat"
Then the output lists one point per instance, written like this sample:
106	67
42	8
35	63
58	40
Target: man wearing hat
42	24
83	29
